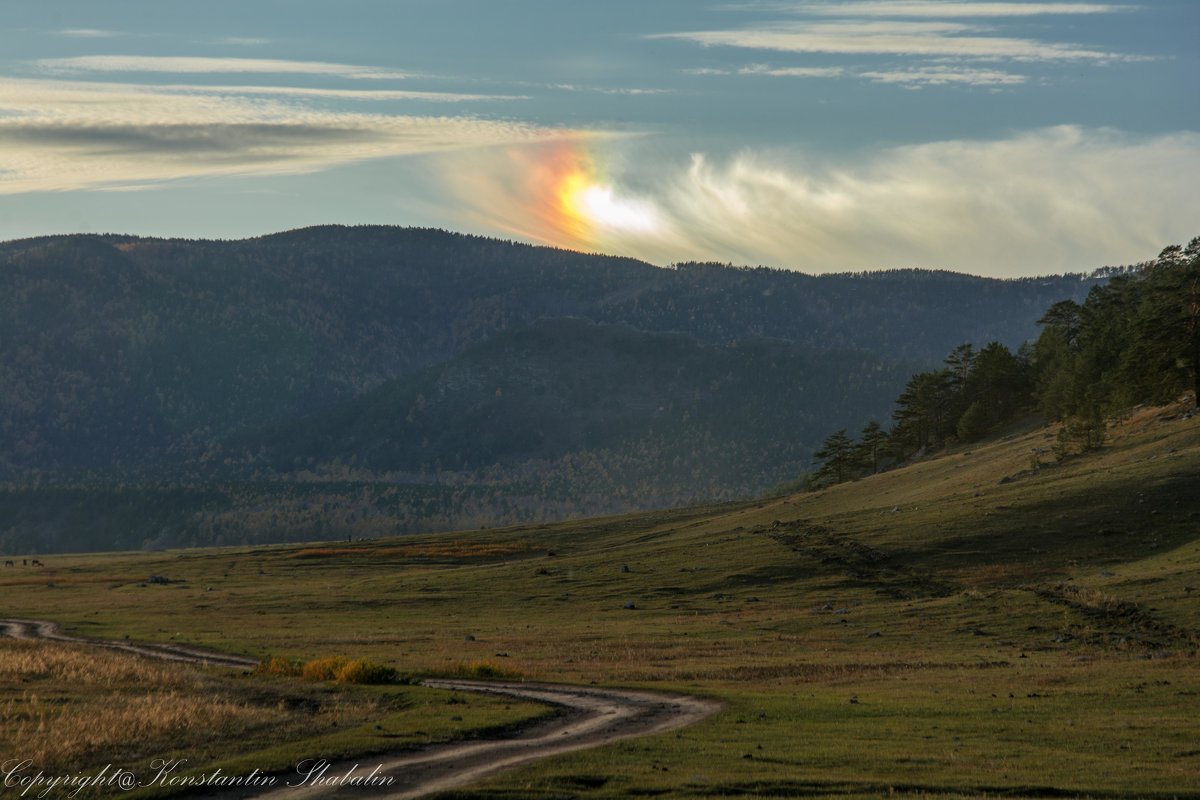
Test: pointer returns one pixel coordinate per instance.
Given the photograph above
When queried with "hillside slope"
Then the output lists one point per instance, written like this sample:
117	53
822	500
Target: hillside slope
966	625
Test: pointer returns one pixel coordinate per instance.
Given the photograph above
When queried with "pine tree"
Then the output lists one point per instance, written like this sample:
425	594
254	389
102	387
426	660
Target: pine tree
838	459
999	383
924	409
1163	357
974	423
1063	316
959	363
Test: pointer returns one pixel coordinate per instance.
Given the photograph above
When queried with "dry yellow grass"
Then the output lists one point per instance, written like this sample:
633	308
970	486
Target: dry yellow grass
69	709
99	714
55	736
83	667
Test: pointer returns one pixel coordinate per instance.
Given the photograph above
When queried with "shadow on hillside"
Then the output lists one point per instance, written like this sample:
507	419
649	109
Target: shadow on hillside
1102	524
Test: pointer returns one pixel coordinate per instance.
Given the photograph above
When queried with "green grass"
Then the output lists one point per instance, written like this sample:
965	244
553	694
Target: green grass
1031	637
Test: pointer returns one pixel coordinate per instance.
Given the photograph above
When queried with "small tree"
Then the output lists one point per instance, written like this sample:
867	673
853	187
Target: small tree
974	422
837	456
1082	433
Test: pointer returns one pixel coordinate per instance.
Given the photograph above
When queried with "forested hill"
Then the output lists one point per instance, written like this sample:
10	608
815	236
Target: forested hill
650	418
117	349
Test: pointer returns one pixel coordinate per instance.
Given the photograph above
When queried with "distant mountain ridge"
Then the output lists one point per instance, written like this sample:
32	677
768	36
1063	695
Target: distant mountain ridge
116	349
377	379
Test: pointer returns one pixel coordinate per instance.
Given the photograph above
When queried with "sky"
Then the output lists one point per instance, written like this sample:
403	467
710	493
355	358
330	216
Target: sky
996	138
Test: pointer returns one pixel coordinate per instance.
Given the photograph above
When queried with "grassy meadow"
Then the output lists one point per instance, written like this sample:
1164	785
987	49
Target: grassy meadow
69	709
986	621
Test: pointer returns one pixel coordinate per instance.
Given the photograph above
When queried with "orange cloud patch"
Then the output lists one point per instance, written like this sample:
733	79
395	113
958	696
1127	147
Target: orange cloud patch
553	193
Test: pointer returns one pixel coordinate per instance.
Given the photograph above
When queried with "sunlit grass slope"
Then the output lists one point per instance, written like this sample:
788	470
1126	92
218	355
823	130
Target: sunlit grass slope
986	620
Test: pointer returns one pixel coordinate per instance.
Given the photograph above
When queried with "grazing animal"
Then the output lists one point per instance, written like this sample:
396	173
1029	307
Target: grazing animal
8	563
37	563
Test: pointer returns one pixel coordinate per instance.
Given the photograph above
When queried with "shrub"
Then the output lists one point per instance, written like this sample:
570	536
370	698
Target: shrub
364	672
344	670
323	669
1080	434
974	423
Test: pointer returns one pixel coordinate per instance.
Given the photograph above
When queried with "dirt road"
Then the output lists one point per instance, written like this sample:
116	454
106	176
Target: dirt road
589	716
39	629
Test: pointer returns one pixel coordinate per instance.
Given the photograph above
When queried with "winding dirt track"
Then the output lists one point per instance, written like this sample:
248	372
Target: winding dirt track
589	717
39	629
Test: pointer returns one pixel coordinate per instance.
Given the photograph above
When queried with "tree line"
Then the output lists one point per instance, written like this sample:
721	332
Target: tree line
1134	339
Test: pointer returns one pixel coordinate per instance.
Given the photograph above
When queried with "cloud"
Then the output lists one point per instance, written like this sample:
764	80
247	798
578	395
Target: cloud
792	72
930	35
86	33
942	76
879	37
915	77
58	135
1049	200
200	64
619	90
894	9
367	95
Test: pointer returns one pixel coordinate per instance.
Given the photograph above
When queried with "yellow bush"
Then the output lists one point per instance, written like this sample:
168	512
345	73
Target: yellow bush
360	671
323	669
344	670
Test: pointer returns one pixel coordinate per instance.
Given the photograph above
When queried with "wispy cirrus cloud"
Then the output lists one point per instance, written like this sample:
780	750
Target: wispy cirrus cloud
791	72
914	77
211	65
59	135
923	29
891	37
86	33
364	95
632	91
896	9
944	76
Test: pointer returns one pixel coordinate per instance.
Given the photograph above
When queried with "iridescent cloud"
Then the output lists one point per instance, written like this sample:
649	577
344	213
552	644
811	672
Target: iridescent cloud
1050	200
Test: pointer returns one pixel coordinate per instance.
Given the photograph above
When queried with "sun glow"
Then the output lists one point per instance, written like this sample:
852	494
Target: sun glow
566	194
596	206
